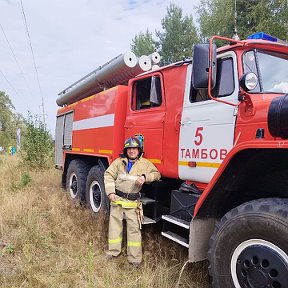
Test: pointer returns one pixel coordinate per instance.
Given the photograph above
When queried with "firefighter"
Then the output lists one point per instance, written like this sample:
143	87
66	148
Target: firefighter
123	181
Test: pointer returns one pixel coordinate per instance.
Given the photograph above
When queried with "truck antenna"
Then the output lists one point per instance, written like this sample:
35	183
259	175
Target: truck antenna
235	35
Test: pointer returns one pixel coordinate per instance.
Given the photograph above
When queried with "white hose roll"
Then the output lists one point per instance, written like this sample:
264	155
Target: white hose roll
103	76
155	67
155	57
145	63
130	59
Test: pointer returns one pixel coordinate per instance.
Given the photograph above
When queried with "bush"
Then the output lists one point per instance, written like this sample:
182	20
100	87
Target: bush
37	150
23	181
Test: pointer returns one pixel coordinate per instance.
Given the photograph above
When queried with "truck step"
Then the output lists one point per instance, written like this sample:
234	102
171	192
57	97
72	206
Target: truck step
176	238
177	221
148	220
146	200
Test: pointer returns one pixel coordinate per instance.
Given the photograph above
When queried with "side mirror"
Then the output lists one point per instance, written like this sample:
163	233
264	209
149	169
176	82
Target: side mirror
200	66
249	81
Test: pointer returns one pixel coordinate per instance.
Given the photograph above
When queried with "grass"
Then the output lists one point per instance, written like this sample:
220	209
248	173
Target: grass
47	241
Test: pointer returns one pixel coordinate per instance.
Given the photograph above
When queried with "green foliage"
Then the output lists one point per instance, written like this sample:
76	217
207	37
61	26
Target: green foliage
175	40
37	150
264	15
178	35
143	44
9	121
8	249
6	108
216	17
25	179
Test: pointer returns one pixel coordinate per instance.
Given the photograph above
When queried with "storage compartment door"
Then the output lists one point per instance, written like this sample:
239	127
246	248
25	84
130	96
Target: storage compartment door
59	140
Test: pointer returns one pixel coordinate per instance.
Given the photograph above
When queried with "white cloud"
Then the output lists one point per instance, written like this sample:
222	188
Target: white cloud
70	38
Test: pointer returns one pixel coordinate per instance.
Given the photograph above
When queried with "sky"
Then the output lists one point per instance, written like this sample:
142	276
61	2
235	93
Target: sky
45	46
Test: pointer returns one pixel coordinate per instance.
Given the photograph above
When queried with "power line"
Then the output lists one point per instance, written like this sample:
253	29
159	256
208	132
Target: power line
34	62
14	56
13	88
10	47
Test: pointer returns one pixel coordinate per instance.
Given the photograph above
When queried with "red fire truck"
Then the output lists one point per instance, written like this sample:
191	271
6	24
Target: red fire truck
216	127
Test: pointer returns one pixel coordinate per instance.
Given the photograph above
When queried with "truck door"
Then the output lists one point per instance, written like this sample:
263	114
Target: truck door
146	115
207	126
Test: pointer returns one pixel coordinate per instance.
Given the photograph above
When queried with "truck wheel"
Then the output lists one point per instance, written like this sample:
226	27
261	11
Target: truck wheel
96	198
76	180
249	247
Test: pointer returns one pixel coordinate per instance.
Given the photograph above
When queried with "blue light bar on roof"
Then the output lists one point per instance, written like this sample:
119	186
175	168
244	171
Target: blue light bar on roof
263	36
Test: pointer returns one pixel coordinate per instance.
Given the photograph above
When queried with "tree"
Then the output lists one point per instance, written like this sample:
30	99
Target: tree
217	17
268	16
6	108
9	121
37	150
143	44
178	35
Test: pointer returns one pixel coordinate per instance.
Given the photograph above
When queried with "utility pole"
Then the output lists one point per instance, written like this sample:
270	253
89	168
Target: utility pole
43	114
235	35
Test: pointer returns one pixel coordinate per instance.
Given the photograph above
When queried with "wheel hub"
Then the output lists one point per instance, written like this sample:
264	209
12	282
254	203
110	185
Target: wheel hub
74	186
96	195
261	266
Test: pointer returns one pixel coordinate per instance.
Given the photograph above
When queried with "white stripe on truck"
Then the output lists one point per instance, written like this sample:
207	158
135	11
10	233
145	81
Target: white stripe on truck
95	122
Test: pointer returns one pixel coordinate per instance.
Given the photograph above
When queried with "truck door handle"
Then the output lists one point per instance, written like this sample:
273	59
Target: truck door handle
189	122
177	122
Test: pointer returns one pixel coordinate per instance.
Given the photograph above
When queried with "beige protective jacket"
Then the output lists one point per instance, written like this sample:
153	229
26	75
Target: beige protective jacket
116	176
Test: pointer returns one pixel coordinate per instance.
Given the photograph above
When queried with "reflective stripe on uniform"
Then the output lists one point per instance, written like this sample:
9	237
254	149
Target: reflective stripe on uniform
115	241
126	204
110	184
134	244
124	176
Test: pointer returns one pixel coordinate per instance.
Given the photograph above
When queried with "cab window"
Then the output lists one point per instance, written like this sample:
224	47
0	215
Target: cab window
271	69
225	84
147	93
249	64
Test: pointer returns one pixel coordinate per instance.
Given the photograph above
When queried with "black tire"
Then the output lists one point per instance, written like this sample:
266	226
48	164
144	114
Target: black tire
249	247
76	180
96	198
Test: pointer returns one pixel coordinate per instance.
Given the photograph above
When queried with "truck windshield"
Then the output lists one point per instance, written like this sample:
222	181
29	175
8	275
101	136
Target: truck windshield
271	69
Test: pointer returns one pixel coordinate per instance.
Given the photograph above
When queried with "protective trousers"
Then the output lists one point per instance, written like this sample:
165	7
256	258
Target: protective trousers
134	239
